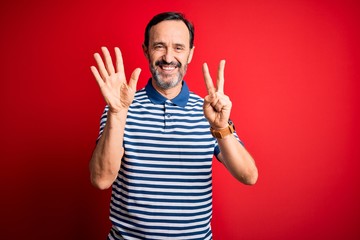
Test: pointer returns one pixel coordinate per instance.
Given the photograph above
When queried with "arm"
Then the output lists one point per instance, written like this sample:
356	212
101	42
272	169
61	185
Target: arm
237	160
217	108
106	159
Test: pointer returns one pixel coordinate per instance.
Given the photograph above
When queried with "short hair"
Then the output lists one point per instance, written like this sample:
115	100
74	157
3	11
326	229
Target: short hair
169	16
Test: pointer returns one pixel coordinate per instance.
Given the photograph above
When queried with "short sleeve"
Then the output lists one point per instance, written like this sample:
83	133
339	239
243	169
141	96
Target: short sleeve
103	120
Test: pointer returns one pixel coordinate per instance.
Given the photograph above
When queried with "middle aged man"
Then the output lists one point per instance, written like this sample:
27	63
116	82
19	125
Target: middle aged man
156	145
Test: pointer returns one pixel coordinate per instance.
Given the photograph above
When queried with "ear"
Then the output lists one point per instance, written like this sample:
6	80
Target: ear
145	51
191	54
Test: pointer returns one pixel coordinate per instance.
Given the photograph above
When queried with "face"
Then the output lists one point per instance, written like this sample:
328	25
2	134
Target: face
168	53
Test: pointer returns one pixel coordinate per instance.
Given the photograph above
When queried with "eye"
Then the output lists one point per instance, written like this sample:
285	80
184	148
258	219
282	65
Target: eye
179	48
158	47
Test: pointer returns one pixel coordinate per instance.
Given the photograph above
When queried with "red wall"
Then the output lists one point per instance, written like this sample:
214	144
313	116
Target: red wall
293	76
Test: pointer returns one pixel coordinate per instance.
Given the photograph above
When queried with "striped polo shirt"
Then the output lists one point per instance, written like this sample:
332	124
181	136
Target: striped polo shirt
164	186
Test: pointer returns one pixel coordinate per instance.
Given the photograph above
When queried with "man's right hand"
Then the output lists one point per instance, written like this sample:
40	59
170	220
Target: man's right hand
117	92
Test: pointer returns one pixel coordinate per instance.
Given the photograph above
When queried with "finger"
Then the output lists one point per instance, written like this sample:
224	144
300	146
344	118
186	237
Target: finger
97	76
108	62
207	101
218	107
221	103
119	61
215	102
103	72
208	81
218	104
220	78
134	78
211	100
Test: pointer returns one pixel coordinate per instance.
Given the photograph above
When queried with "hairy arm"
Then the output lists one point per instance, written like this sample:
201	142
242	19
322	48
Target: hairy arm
118	94
106	158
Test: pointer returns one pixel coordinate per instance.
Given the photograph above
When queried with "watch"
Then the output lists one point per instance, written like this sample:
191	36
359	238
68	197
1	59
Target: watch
221	133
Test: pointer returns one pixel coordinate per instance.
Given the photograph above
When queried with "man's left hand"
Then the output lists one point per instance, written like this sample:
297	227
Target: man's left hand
217	106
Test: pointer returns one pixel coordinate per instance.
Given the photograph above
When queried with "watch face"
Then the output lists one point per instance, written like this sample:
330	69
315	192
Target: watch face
231	123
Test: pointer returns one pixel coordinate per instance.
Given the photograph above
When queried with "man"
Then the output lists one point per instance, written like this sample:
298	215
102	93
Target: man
156	145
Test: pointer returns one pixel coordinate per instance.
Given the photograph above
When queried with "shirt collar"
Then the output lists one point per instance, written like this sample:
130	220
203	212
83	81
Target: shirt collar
155	97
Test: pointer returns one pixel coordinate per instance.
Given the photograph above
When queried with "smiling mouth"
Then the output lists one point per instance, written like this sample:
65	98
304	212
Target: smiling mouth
167	68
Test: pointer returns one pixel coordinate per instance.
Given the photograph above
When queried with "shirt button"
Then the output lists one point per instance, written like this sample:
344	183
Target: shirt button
168	115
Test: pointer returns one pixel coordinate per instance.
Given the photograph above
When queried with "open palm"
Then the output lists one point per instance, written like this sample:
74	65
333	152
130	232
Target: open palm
118	94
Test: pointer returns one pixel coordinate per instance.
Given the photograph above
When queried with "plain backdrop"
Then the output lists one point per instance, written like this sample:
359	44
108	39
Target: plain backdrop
292	74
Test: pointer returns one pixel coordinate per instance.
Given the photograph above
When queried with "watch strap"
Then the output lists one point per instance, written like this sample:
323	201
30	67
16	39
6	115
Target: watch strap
222	133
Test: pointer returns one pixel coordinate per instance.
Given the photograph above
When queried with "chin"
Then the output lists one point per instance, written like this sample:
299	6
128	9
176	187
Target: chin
167	83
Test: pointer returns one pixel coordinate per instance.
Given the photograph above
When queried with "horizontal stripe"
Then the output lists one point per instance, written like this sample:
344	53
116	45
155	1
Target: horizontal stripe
171	206
160	202
157	220
173	165
152	196
166	171
122	179
187	125
133	233
168	179
166	142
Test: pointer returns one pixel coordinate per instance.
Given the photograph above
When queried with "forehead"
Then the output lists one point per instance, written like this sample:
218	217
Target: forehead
174	31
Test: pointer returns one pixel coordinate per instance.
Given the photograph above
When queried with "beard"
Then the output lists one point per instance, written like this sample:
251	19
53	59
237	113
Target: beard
174	80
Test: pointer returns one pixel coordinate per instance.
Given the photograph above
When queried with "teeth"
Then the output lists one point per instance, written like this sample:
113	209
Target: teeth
168	68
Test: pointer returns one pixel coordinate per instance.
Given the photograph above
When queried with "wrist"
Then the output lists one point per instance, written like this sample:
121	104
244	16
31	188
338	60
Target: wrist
221	133
117	118
117	112
219	128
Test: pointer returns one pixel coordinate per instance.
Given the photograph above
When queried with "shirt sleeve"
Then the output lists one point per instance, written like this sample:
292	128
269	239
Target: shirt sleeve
103	120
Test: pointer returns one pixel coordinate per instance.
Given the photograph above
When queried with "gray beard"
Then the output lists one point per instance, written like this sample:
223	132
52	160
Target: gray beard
166	85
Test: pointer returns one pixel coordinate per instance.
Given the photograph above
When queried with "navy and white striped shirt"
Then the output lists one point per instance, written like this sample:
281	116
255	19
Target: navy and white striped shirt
164	187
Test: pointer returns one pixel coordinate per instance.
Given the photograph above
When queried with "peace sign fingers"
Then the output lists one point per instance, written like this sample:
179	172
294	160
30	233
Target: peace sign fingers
217	105
220	79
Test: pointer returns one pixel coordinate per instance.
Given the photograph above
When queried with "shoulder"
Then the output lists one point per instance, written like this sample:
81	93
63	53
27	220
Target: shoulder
195	99
140	94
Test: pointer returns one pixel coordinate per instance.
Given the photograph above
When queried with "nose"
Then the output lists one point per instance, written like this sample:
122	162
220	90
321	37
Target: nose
169	55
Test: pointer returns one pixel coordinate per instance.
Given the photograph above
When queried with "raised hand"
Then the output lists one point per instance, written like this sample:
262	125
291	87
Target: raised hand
217	106
118	94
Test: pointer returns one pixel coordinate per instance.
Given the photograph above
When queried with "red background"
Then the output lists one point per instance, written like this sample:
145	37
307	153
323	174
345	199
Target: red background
293	76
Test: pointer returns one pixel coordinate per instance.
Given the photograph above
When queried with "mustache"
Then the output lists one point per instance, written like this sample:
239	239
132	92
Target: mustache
164	63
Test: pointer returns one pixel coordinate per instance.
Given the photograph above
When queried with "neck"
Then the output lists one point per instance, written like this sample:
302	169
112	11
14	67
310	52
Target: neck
168	93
